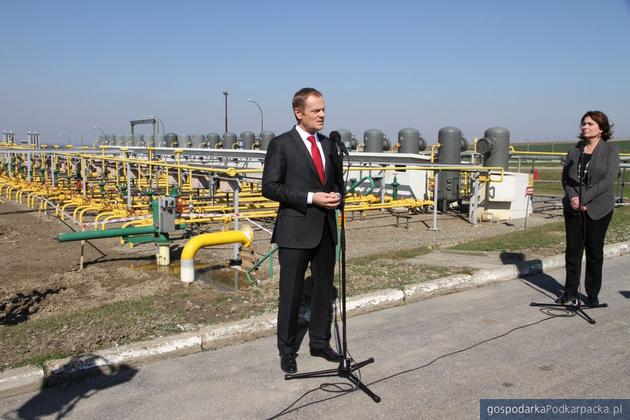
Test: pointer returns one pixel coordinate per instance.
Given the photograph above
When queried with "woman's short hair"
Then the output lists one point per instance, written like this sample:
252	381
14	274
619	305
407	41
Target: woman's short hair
602	121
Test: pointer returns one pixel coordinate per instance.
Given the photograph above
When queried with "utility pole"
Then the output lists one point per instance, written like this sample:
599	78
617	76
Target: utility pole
226	93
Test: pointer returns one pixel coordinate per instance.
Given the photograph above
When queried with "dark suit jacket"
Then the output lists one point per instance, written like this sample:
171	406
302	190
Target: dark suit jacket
289	175
598	195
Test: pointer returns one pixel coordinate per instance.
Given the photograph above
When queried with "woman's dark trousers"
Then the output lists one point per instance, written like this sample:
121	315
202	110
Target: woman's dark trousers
576	223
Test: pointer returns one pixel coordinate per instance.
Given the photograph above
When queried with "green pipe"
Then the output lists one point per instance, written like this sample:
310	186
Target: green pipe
359	182
108	233
259	262
146	239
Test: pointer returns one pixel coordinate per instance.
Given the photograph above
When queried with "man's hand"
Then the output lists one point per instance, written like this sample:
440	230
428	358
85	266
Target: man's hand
326	200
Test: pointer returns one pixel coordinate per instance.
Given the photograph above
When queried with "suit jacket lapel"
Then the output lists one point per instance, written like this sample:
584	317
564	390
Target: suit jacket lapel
304	152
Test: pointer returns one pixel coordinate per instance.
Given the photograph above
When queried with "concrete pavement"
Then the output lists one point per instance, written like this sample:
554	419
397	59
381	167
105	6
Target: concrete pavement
435	358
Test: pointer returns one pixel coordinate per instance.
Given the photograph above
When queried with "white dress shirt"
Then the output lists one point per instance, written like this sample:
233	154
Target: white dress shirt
307	143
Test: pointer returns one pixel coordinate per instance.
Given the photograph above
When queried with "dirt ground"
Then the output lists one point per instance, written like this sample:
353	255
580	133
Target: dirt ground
49	308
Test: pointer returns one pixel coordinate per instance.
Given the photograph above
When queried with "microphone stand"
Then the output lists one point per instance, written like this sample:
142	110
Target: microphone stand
578	309
347	366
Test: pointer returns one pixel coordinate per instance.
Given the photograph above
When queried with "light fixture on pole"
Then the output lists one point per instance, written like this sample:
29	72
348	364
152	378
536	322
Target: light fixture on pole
226	93
159	122
261	113
99	128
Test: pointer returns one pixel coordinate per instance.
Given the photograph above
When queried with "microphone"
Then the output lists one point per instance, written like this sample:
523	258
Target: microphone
336	139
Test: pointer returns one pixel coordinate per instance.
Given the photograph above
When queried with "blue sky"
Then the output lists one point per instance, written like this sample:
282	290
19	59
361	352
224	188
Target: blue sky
532	66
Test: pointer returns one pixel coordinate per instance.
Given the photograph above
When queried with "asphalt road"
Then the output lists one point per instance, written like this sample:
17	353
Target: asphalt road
435	359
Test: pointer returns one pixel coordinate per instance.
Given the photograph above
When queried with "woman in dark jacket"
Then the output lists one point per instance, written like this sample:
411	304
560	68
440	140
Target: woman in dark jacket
588	180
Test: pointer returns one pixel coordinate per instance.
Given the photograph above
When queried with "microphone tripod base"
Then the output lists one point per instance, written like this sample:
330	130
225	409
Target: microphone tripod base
578	309
345	370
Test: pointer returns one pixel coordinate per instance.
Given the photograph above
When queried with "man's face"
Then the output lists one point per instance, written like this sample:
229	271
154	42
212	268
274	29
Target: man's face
312	116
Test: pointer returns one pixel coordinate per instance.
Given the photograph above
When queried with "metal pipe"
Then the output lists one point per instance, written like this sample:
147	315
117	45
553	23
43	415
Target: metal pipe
108	233
245	236
435	201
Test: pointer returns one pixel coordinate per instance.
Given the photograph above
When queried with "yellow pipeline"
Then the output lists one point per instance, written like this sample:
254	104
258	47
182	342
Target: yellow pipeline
115	215
433	147
513	151
227	171
100	215
244	236
460	168
84	210
63	208
79	208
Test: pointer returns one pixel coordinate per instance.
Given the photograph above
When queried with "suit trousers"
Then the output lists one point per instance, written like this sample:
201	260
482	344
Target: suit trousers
293	265
582	233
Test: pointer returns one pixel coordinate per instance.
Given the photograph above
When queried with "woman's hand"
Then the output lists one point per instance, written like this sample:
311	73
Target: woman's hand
575	203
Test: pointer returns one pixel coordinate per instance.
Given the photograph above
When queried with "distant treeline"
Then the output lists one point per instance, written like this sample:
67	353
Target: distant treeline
563	146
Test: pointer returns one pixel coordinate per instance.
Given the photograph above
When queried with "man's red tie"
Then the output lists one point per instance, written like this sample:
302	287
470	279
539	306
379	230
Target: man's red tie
317	159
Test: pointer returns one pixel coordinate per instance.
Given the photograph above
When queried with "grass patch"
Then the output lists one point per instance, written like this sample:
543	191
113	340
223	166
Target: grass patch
102	326
381	274
549	177
548	238
40	359
391	255
539	237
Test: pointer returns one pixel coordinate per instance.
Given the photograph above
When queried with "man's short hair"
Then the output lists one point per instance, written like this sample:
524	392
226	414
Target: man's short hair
301	95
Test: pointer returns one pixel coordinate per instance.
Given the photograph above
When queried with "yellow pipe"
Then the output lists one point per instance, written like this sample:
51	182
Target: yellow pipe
228	171
178	154
134	223
433	147
244	236
513	151
63	209
108	218
82	212
77	210
460	168
101	214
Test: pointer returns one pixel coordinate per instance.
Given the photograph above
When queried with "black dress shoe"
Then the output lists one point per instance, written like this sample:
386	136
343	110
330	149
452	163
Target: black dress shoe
288	363
327	353
567	299
592	301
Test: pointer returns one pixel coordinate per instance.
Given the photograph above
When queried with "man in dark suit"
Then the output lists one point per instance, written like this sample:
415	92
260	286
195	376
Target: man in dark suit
300	173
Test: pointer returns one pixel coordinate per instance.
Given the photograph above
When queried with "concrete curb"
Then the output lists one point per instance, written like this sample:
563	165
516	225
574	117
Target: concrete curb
105	362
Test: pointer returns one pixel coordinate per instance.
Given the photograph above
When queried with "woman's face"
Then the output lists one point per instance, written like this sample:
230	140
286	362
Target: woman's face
590	129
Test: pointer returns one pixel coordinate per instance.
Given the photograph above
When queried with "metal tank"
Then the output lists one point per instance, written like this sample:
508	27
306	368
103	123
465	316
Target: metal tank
185	140
160	140
171	140
247	140
374	141
149	140
347	139
229	140
495	147
265	138
213	139
450	141
131	140
198	141
410	141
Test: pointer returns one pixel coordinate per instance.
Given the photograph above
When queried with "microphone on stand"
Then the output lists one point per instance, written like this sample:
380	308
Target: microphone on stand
336	138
